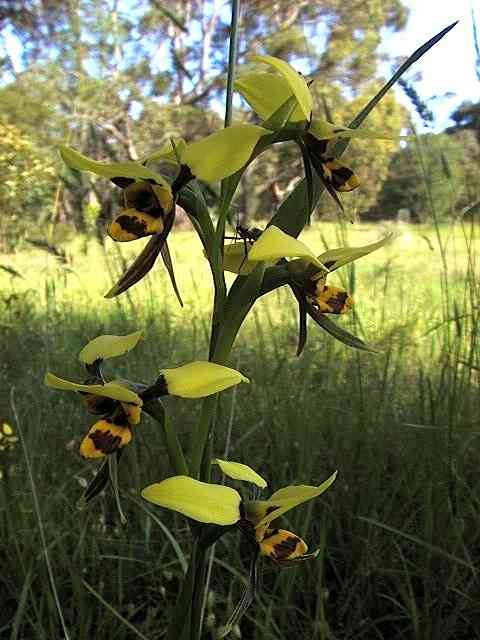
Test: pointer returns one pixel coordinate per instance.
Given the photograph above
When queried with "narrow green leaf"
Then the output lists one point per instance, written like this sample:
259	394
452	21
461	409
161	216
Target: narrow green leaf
421	543
167	261
338	332
293	215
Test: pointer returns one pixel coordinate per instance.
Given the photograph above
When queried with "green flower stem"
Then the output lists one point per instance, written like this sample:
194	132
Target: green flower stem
200	436
197	596
156	410
232	60
180	623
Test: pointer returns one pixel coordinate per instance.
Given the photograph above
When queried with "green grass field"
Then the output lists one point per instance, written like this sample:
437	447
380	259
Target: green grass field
398	531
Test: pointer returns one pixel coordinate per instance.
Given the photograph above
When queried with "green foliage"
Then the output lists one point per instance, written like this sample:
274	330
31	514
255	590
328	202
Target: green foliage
396	474
28	182
432	176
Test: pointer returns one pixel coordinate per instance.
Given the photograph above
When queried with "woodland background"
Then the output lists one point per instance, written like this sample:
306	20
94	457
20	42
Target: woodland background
398	532
116	79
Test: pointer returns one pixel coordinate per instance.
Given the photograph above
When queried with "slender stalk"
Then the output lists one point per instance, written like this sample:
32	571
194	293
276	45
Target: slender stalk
155	409
203	433
232	60
200	436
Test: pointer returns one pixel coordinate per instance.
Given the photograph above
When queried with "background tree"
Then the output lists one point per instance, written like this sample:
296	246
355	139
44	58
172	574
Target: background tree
116	79
429	176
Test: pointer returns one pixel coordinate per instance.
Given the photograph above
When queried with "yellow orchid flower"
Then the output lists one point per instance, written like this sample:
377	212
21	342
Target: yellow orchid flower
221	505
266	93
149	210
119	406
307	276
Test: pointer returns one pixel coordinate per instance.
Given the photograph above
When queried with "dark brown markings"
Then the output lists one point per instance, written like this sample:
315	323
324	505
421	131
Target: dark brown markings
105	441
286	548
122	182
270	533
337	303
142	198
119	418
270	509
99	405
340	176
132	224
144	201
329	264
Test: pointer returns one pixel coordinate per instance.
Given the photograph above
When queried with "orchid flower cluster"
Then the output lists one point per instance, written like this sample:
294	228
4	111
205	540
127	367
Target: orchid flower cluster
264	260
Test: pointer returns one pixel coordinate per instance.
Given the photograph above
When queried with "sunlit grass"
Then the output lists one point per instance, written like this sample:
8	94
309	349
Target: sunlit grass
400	425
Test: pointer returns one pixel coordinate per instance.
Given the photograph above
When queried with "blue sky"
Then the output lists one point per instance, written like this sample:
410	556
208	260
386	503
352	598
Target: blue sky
449	67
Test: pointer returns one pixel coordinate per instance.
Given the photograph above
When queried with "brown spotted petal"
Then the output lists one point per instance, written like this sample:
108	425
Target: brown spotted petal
339	176
331	299
106	436
157	200
133	413
281	545
145	261
131	224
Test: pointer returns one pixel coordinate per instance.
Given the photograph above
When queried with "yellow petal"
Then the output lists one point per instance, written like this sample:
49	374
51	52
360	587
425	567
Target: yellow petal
208	503
265	93
200	379
110	170
224	152
105	437
7	429
296	81
239	471
335	258
275	244
105	347
131	224
133	413
109	390
262	512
